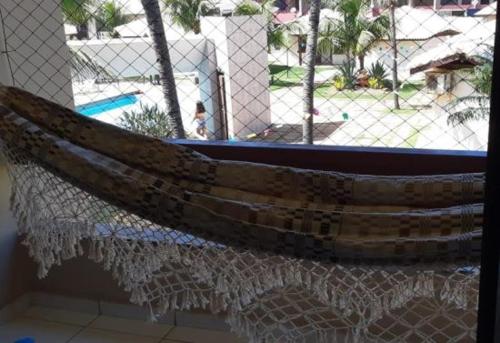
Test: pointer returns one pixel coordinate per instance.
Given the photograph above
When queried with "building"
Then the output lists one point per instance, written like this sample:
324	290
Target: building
447	69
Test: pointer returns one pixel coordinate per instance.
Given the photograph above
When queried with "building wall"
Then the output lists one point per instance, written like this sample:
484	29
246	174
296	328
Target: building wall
241	48
36	48
473	135
36	60
382	52
290	56
132	57
17	271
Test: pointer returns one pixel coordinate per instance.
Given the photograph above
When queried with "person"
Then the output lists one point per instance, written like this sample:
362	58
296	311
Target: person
199	119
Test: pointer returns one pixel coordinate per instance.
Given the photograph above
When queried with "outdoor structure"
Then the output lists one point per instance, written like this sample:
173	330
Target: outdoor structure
294	53
241	50
417	30
202	56
448	7
194	57
489	12
448	76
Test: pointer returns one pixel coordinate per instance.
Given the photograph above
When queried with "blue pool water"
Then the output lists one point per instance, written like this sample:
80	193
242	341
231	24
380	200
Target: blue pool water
101	106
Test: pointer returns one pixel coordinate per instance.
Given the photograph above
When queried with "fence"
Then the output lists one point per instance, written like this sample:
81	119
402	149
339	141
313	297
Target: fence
426	86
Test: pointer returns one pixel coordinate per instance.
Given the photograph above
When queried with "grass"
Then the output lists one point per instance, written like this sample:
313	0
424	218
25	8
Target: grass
327	91
284	76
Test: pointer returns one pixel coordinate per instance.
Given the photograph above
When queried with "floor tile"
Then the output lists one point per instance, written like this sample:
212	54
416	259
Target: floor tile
193	335
41	331
131	311
201	320
103	336
138	327
61	316
65	303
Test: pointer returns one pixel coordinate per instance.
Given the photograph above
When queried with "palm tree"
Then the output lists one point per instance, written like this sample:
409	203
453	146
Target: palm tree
276	34
310	59
83	67
155	23
78	13
476	106
186	13
353	34
392	18
109	16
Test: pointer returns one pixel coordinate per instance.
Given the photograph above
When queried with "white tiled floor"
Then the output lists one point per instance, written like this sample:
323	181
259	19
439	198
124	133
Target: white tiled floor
47	325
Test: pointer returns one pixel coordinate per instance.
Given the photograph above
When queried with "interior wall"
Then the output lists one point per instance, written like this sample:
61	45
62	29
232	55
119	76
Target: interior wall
16	268
35	50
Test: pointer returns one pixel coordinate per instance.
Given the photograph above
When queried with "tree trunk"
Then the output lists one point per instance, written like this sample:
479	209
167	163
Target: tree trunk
310	61
82	31
394	46
155	24
361	59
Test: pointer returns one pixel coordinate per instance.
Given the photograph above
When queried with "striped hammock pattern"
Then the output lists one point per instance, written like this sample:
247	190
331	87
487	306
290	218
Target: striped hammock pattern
287	254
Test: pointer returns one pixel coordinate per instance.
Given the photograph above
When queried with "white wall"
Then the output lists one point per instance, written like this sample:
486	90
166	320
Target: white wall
241	46
474	134
290	55
37	48
16	268
382	52
128	57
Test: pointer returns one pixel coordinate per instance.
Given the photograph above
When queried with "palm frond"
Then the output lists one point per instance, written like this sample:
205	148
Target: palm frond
110	15
472	107
83	67
76	12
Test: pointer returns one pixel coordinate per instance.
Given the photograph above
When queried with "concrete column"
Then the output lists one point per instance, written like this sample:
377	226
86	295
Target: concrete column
241	49
37	48
207	74
5	75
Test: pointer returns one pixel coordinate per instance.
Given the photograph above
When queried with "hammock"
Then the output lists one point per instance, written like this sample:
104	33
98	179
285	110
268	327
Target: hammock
287	254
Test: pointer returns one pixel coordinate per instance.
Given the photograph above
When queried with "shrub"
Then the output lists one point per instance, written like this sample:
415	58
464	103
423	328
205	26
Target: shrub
375	83
347	72
377	71
339	83
149	121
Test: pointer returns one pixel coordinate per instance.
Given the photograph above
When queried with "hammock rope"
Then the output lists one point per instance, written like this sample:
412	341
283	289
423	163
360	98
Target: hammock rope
180	230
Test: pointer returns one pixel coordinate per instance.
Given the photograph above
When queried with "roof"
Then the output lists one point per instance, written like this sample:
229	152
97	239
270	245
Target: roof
139	28
458	51
131	7
489	10
412	23
302	23
284	17
421	24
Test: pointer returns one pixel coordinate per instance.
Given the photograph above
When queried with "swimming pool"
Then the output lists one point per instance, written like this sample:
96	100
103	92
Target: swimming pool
105	105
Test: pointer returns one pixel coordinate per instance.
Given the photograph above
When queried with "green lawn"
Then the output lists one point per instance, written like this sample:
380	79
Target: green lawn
329	92
284	76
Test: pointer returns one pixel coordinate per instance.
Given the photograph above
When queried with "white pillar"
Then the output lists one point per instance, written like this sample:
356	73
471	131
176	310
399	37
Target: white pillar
241	44
436	4
37	48
5	75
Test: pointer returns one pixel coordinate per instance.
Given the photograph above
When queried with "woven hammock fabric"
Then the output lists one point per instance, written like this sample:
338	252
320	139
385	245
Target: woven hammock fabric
288	254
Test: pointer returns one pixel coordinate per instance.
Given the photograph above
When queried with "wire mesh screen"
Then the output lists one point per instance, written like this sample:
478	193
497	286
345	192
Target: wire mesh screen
334	72
389	74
